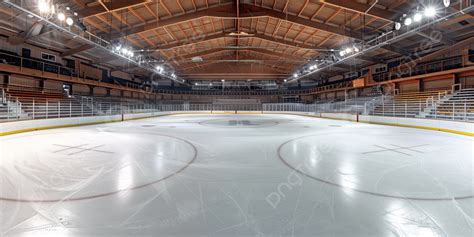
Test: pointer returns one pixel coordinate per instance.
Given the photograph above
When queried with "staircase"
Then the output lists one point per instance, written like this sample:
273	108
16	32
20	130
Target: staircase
408	104
10	109
458	106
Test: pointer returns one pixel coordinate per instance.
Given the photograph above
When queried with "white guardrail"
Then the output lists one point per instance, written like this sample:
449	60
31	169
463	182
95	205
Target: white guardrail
12	109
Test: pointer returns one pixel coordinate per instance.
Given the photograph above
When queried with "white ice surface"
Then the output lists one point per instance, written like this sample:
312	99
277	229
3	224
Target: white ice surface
236	175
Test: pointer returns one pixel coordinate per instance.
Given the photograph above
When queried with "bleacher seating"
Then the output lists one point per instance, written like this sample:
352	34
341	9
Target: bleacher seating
29	102
459	106
407	104
28	96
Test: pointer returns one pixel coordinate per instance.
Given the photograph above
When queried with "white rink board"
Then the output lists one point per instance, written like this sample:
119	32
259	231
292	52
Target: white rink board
432	124
28	125
455	126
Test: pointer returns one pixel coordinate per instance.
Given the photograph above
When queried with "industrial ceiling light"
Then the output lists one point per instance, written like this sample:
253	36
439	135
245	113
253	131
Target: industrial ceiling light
295	75
348	50
430	12
342	53
43	6
222	80
446	3
285	80
398	25
69	21
61	16
356	49
408	21
118	47
197	59
417	17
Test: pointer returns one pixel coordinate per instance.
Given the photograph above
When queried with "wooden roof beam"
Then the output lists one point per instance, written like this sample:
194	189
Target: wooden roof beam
252	12
355	6
302	21
225	35
217	11
263	51
109	6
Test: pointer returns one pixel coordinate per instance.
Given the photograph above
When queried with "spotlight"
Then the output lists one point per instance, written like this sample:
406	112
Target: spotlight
159	69
417	17
356	49
342	53
295	75
285	80
398	25
68	8
408	21
222	80
75	13
196	84
210	84
131	54
118	47
69	21
61	16
446	3
348	50
43	6
430	11
124	51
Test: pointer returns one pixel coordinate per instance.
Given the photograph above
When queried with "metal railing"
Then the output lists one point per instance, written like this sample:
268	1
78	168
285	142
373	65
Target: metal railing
424	68
13	109
453	110
3	97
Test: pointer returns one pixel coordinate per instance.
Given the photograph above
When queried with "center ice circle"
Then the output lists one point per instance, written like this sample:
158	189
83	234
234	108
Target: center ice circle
239	123
82	164
418	166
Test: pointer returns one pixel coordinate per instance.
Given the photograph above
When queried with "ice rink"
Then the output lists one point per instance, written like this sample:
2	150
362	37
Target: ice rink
237	175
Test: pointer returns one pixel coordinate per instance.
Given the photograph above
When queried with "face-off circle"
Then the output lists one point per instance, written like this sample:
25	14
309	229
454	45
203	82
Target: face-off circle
386	165
83	165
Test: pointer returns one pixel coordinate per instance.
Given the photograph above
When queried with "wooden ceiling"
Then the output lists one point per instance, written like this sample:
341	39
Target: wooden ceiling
247	39
277	36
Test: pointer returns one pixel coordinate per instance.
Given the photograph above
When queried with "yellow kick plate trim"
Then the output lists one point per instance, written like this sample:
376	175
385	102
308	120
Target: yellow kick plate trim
178	114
